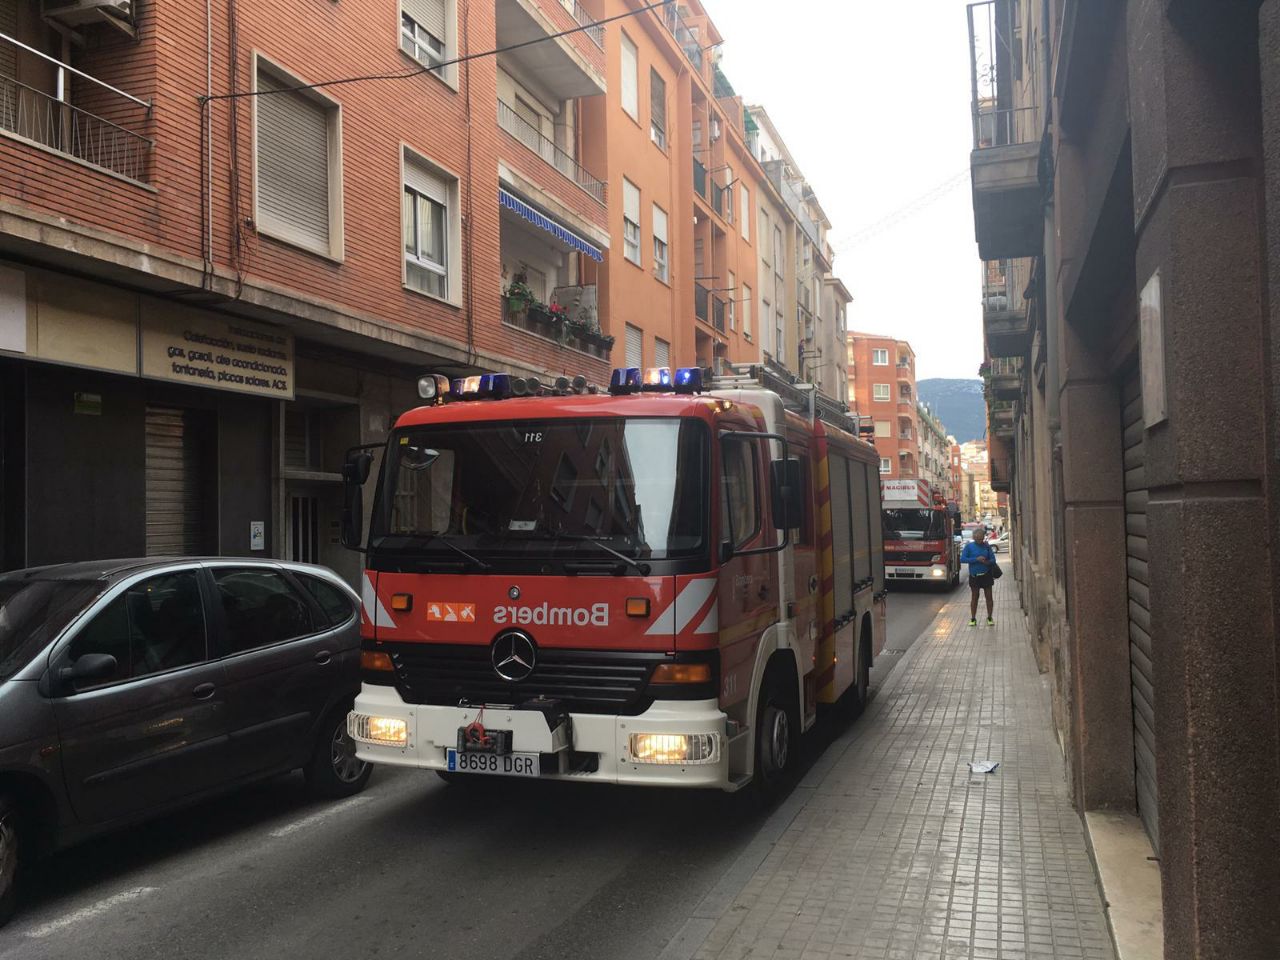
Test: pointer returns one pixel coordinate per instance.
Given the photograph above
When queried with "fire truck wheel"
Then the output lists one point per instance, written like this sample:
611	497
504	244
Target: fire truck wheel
777	740
334	770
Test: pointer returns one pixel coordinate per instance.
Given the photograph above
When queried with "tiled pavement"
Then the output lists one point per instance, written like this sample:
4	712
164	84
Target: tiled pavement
890	849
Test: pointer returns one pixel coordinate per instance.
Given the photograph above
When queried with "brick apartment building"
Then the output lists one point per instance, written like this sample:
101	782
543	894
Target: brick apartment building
882	392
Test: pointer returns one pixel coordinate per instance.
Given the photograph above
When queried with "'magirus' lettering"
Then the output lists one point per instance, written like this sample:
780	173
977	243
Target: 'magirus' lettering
546	615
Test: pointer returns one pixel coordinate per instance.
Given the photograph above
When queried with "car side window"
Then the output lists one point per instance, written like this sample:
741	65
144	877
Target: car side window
155	625
337	606
261	608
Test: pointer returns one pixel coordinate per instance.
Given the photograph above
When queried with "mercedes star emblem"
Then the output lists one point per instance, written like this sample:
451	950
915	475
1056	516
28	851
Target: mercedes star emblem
514	593
513	655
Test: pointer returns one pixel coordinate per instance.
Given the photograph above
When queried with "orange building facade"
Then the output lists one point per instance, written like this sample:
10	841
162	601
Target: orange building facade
882	393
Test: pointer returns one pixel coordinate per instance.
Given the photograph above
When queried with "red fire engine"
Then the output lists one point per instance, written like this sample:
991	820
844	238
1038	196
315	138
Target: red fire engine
919	534
658	584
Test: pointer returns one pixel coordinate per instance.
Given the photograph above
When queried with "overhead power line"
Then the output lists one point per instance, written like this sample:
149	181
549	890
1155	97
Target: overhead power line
406	74
905	212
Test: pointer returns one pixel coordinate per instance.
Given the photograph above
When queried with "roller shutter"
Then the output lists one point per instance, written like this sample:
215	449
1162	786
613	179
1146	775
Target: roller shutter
635	346
1140	641
293	163
428	14
175	505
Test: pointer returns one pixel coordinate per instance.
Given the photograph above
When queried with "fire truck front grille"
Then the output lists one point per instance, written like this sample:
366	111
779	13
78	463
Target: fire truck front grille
585	681
907	556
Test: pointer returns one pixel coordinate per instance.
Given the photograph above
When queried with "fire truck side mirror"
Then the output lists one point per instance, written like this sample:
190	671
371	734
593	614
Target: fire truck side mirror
787	494
354	474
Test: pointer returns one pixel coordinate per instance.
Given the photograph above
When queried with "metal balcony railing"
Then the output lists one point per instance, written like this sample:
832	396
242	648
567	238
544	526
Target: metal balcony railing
544	147
717	313
1004	106
1005	366
52	121
594	30
795	202
699	178
686	36
1004	283
702	303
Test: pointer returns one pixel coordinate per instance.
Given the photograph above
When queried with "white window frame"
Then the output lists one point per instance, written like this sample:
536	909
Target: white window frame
881	388
631	249
629	94
886	465
661	248
446	74
884	428
336	250
451	201
658	131
879	357
746	311
744	211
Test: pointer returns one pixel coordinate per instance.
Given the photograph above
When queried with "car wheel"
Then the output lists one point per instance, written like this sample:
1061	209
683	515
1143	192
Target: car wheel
777	741
335	770
10	839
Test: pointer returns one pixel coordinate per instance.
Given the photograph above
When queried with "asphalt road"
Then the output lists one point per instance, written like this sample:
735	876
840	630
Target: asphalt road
410	868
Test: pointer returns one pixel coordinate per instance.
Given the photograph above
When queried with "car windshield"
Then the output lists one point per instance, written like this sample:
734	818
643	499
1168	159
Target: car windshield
522	489
32	612
914	524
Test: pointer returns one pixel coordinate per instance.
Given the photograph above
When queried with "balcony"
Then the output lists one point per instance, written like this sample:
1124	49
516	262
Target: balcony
1000	419
707	307
571	320
1005	162
546	149
1001	476
49	120
1005	318
685	34
567	67
774	170
1003	376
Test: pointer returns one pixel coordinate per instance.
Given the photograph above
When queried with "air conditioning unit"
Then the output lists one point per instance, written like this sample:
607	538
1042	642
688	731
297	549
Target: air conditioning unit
86	13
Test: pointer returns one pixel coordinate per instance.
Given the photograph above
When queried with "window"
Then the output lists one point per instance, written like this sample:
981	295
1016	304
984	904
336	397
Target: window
631	221
882	428
744	211
635	346
880	358
880	392
746	310
297	165
661	269
780	337
885	465
661	352
630	85
155	625
430	230
657	109
739	495
733	297
261	608
423	30
337	606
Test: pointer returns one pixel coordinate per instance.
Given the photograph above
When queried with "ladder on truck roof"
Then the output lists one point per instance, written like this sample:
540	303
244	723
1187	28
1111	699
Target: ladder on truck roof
796	396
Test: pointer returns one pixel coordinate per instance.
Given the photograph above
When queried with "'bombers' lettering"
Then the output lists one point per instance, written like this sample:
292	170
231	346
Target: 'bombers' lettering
546	615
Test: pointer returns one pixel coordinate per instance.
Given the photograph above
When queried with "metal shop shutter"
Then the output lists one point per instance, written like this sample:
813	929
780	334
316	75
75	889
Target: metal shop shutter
293	163
1140	645
635	346
175	522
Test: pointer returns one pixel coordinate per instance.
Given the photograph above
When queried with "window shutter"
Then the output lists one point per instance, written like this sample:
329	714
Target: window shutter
630	80
428	14
661	353
744	196
418	177
657	100
293	162
635	346
631	201
660	225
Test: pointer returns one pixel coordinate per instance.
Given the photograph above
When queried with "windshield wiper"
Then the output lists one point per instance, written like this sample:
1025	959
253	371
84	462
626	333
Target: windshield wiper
439	537
641	567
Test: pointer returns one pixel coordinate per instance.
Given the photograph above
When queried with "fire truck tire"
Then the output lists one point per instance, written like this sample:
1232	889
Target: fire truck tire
10	838
777	738
334	771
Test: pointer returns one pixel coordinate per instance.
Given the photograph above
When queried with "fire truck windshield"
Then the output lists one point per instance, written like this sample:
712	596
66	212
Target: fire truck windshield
541	489
913	524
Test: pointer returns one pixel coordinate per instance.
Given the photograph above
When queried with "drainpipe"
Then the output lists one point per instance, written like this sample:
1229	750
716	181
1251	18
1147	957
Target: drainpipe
1052	307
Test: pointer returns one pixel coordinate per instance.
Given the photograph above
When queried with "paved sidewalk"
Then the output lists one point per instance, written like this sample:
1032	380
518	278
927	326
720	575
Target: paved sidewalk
890	849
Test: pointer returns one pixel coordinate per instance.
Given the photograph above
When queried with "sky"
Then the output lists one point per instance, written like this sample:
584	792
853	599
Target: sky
872	100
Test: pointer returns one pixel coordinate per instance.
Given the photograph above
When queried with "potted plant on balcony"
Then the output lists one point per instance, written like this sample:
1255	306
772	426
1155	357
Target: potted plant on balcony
519	295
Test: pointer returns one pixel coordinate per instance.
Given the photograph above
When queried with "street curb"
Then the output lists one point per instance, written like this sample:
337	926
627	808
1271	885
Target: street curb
695	930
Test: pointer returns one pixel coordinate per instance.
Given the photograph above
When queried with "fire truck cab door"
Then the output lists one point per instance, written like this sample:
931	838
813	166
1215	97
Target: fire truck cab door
748	587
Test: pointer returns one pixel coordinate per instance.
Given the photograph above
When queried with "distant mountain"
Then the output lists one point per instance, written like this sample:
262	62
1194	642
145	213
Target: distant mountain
958	404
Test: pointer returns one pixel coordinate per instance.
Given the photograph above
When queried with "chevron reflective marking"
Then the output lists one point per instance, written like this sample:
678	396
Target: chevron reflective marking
711	622
374	611
684	608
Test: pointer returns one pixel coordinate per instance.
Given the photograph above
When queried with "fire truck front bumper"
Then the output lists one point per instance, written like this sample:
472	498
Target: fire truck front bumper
936	572
675	743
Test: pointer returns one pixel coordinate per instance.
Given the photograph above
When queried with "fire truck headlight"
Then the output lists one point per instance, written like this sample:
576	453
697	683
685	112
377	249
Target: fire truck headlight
385	731
939	572
675	748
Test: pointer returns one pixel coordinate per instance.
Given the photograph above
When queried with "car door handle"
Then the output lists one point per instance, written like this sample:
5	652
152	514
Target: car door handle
323	657
203	691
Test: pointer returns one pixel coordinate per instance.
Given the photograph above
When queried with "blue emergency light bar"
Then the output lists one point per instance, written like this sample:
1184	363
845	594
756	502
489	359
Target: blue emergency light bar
627	380
498	386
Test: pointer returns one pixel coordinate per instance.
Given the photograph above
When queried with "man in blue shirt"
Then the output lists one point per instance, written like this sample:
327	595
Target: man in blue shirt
981	559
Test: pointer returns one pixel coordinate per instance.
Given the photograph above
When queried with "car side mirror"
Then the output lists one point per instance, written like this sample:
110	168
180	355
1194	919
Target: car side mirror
90	668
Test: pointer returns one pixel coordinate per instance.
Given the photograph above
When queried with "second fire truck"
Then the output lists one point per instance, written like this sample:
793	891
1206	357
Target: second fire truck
656	585
920	528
